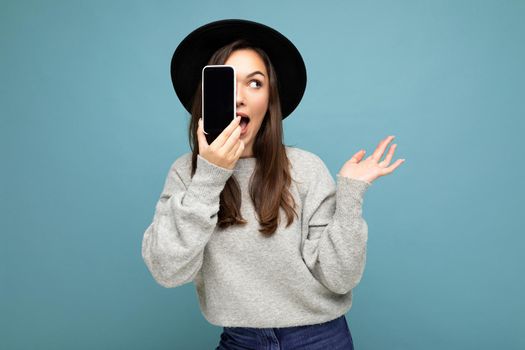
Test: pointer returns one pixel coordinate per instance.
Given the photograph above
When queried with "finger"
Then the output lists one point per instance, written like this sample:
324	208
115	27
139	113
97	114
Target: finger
235	149
392	167
378	153
232	140
388	157
231	153
225	134
357	157
239	151
201	138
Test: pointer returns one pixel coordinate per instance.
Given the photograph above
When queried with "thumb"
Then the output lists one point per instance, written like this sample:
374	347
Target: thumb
203	143
357	157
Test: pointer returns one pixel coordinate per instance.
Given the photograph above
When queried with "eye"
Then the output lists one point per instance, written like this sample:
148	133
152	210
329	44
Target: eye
256	81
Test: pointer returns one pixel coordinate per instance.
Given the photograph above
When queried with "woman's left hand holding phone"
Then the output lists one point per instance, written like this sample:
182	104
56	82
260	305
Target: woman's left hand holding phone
226	149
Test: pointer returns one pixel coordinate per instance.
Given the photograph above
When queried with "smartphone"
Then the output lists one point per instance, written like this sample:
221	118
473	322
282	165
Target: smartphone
218	99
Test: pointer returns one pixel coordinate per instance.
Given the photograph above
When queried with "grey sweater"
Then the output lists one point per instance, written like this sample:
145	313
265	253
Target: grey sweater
301	275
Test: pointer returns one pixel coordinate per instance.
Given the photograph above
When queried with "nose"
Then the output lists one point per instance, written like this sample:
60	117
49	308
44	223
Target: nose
239	98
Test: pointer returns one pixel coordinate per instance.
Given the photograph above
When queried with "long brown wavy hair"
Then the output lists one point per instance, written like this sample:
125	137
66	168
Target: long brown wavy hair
271	179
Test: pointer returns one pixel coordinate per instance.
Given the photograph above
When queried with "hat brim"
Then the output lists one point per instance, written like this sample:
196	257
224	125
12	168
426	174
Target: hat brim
194	52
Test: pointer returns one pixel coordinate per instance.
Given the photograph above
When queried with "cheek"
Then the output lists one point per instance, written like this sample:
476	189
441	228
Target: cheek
260	104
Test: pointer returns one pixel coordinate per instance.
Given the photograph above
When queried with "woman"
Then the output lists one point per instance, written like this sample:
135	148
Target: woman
252	222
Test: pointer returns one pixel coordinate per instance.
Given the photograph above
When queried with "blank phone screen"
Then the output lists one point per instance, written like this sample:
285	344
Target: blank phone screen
218	98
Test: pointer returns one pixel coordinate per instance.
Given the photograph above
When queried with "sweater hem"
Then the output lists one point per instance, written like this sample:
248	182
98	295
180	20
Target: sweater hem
308	321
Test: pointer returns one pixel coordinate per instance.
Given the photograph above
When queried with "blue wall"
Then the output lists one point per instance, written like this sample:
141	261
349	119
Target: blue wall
90	125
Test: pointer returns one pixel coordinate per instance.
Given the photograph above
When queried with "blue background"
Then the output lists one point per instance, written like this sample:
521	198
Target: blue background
90	125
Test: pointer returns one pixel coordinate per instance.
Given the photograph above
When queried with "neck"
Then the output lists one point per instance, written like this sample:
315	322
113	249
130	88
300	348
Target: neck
247	153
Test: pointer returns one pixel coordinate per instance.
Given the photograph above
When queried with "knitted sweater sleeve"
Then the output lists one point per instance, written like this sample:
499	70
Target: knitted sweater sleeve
336	233
184	220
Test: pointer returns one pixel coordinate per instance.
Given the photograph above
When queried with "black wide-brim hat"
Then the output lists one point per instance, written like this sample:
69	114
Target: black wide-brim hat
194	52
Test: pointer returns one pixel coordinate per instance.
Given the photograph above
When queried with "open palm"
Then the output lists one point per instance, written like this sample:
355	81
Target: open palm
371	168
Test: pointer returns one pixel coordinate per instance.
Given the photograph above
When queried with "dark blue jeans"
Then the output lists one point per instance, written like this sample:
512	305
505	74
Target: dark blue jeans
333	335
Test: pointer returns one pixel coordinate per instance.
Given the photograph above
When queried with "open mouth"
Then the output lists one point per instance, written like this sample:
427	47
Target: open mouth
243	123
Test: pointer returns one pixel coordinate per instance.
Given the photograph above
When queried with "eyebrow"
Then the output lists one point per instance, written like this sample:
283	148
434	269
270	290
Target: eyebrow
253	73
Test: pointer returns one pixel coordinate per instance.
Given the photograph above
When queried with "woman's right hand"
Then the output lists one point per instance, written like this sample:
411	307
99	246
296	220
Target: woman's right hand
226	149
